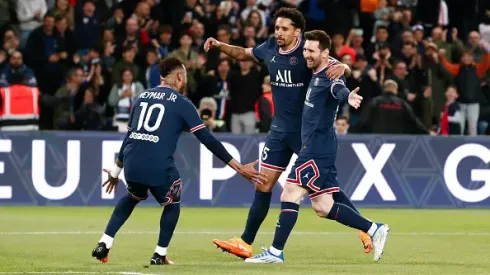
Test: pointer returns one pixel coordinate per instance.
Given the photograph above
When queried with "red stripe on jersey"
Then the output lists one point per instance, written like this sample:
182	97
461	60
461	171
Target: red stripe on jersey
198	127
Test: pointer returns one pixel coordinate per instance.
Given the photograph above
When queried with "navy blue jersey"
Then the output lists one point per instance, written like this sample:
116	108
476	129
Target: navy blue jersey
320	110
289	81
157	119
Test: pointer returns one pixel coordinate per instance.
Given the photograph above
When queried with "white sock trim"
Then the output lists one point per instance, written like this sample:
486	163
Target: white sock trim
162	251
275	251
107	240
372	229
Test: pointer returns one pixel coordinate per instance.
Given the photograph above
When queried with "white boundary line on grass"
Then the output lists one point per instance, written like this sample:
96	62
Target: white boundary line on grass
78	272
237	232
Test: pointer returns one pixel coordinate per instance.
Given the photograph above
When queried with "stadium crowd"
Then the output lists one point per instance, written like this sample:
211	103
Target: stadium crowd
89	59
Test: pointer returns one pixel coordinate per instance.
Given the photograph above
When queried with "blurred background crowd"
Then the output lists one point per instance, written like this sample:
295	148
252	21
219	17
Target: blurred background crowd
79	64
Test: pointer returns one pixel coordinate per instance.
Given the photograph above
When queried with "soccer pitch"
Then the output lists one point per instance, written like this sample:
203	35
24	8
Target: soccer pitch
59	240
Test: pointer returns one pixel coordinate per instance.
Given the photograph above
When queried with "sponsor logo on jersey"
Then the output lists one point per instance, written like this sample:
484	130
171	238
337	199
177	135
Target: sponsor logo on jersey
284	79
145	137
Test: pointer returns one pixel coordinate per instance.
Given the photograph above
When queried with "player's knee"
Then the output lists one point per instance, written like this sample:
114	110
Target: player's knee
272	177
322	205
292	193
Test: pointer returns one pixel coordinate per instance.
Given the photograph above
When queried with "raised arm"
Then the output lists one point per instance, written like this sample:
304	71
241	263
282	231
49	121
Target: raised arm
239	53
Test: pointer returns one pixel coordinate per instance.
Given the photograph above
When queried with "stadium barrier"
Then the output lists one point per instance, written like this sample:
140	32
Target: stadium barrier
62	168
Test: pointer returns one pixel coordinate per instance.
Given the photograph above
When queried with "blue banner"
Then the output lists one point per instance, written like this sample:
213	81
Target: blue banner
65	168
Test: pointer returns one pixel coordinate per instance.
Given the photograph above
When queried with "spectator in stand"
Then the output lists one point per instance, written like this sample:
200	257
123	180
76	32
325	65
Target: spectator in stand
339	49
264	107
449	49
16	66
389	114
244	92
127	62
342	125
355	41
87	28
42	55
451	114
207	112
11	42
197	33
381	38
65	43
67	100
475	45
192	62
467	79
30	14
363	76
151	61
383	61
216	84
251	5
382	16
89	115
163	43
122	96
254	19
130	38
63	9
432	74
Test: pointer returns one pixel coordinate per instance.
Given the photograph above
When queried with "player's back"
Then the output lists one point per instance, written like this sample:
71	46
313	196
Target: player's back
156	122
317	133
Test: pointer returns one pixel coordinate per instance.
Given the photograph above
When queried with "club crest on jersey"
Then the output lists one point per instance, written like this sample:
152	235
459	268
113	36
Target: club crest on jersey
293	60
317	80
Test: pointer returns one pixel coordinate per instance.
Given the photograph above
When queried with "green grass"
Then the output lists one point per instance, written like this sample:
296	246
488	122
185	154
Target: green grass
465	249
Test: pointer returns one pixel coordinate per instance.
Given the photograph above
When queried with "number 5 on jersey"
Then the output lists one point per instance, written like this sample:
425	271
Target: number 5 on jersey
144	117
264	153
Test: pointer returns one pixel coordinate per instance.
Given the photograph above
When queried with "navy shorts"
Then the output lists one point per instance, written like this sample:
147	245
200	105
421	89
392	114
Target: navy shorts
166	192
318	175
278	150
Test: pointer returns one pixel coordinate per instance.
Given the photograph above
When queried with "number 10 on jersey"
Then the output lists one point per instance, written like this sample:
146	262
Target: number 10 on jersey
145	116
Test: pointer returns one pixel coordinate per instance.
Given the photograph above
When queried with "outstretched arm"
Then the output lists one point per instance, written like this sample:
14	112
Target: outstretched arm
239	53
194	122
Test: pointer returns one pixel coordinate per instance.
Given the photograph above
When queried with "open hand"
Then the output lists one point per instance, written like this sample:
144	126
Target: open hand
110	182
354	99
248	171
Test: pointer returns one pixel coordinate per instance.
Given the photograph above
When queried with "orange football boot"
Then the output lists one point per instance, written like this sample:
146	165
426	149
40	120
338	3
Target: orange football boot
366	242
235	246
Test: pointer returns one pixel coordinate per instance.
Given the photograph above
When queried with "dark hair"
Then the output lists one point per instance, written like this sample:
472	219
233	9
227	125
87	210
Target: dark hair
382	28
58	18
168	65
292	14
225	28
342	117
320	36
127	48
410	44
227	60
165	29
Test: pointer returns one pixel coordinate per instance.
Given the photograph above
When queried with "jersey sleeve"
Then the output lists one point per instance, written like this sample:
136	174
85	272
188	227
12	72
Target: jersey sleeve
339	91
191	117
259	52
120	156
